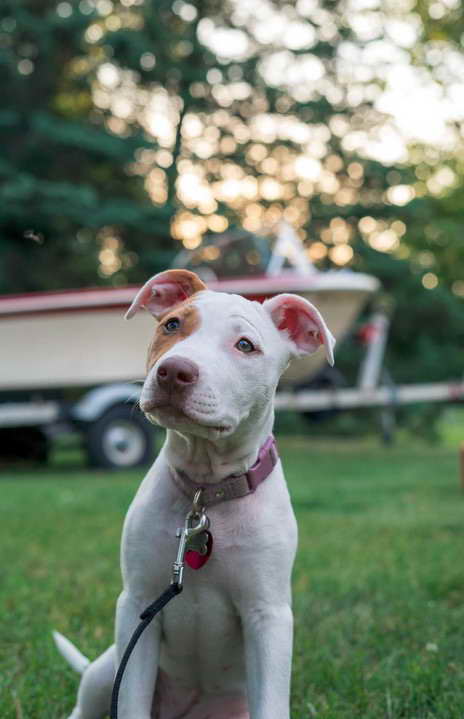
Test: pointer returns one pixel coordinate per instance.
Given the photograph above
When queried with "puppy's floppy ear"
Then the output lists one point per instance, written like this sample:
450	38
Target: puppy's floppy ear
164	291
301	323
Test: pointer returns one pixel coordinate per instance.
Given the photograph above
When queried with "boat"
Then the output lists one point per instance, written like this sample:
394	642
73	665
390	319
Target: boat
78	338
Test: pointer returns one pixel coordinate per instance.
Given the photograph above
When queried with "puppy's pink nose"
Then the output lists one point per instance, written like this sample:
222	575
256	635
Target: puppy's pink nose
177	373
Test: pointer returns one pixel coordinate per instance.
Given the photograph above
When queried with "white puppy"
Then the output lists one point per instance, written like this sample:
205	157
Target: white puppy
222	649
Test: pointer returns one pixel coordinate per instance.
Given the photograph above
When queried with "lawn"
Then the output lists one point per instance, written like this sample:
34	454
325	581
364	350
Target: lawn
378	583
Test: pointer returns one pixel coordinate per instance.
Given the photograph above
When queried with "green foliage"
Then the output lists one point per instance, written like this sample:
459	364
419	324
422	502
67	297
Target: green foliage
427	329
435	235
63	173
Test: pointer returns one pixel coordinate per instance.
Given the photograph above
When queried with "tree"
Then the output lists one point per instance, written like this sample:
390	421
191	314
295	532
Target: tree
221	114
65	194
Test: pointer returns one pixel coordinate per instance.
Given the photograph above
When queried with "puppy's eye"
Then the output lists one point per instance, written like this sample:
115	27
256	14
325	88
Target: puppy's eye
172	325
244	345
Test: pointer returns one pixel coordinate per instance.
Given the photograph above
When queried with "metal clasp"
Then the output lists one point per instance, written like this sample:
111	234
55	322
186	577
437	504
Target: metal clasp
197	508
185	534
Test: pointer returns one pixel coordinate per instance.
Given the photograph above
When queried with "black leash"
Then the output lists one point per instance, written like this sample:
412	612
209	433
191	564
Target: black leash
185	534
147	615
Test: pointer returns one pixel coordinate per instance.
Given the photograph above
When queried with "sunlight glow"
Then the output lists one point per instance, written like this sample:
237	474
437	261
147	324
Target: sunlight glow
265	161
341	254
430	281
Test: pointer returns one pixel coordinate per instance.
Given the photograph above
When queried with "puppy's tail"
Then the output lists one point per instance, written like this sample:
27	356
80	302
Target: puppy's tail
71	653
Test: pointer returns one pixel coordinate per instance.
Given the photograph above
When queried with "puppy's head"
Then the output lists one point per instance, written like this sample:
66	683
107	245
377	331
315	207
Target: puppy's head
215	359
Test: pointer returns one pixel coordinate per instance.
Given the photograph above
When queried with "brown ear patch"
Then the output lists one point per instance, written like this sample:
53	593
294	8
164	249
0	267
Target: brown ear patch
189	317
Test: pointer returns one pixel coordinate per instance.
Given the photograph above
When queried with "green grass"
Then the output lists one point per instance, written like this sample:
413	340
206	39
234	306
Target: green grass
378	583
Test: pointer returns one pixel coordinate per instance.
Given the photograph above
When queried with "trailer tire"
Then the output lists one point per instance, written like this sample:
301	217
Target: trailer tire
120	439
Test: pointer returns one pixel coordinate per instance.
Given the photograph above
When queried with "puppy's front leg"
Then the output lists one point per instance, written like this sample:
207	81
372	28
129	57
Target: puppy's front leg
138	684
268	636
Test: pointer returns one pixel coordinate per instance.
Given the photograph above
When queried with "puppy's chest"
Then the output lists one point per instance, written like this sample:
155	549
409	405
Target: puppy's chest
234	544
257	530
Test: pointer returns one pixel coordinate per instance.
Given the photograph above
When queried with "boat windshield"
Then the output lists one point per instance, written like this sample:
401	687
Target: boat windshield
237	253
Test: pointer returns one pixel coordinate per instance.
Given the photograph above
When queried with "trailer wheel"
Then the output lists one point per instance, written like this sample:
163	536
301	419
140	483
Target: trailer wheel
122	438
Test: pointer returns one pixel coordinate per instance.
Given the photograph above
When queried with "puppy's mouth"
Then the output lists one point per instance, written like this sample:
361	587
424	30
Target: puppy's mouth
180	416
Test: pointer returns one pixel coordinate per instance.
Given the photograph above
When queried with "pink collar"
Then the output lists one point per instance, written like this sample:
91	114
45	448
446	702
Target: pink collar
232	487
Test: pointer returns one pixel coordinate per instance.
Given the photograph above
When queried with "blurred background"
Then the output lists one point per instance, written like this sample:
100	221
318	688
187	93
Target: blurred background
314	146
133	131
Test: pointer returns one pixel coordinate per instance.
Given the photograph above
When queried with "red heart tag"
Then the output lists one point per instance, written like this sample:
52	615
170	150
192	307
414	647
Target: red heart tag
194	559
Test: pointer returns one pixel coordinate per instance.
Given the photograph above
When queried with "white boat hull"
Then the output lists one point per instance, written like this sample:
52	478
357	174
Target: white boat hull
72	350
78	339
